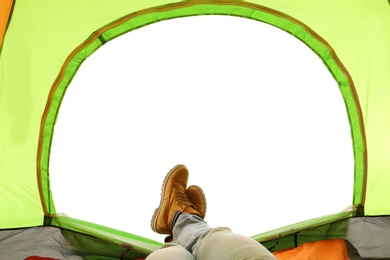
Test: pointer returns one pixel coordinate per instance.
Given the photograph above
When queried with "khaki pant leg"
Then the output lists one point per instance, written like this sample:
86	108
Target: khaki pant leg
170	251
222	243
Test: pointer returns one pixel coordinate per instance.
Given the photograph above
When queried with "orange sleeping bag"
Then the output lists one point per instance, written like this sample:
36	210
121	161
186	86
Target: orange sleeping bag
334	249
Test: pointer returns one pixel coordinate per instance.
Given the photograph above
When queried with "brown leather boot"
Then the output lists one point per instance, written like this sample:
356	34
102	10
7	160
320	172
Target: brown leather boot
197	197
174	201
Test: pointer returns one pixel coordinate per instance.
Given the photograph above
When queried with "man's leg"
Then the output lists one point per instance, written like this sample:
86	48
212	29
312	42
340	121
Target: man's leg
188	229
195	235
175	199
170	251
179	216
222	243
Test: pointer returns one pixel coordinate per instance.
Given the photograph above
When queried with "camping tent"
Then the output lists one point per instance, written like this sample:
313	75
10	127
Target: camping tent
44	44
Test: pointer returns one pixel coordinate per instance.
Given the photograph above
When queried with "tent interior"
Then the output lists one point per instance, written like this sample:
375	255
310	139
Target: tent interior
365	237
31	225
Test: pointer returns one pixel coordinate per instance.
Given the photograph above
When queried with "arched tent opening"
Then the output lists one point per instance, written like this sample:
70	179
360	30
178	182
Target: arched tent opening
30	104
256	12
299	30
250	110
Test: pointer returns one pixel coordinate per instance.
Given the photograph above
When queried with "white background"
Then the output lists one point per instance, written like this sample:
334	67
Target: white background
250	110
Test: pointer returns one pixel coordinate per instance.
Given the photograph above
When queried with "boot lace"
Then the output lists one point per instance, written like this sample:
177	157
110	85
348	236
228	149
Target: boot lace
183	200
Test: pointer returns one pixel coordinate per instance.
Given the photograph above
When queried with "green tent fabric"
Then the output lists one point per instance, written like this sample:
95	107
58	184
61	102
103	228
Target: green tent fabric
44	43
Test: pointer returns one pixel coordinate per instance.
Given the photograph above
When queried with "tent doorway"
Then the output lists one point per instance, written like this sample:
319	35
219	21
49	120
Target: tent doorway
251	111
